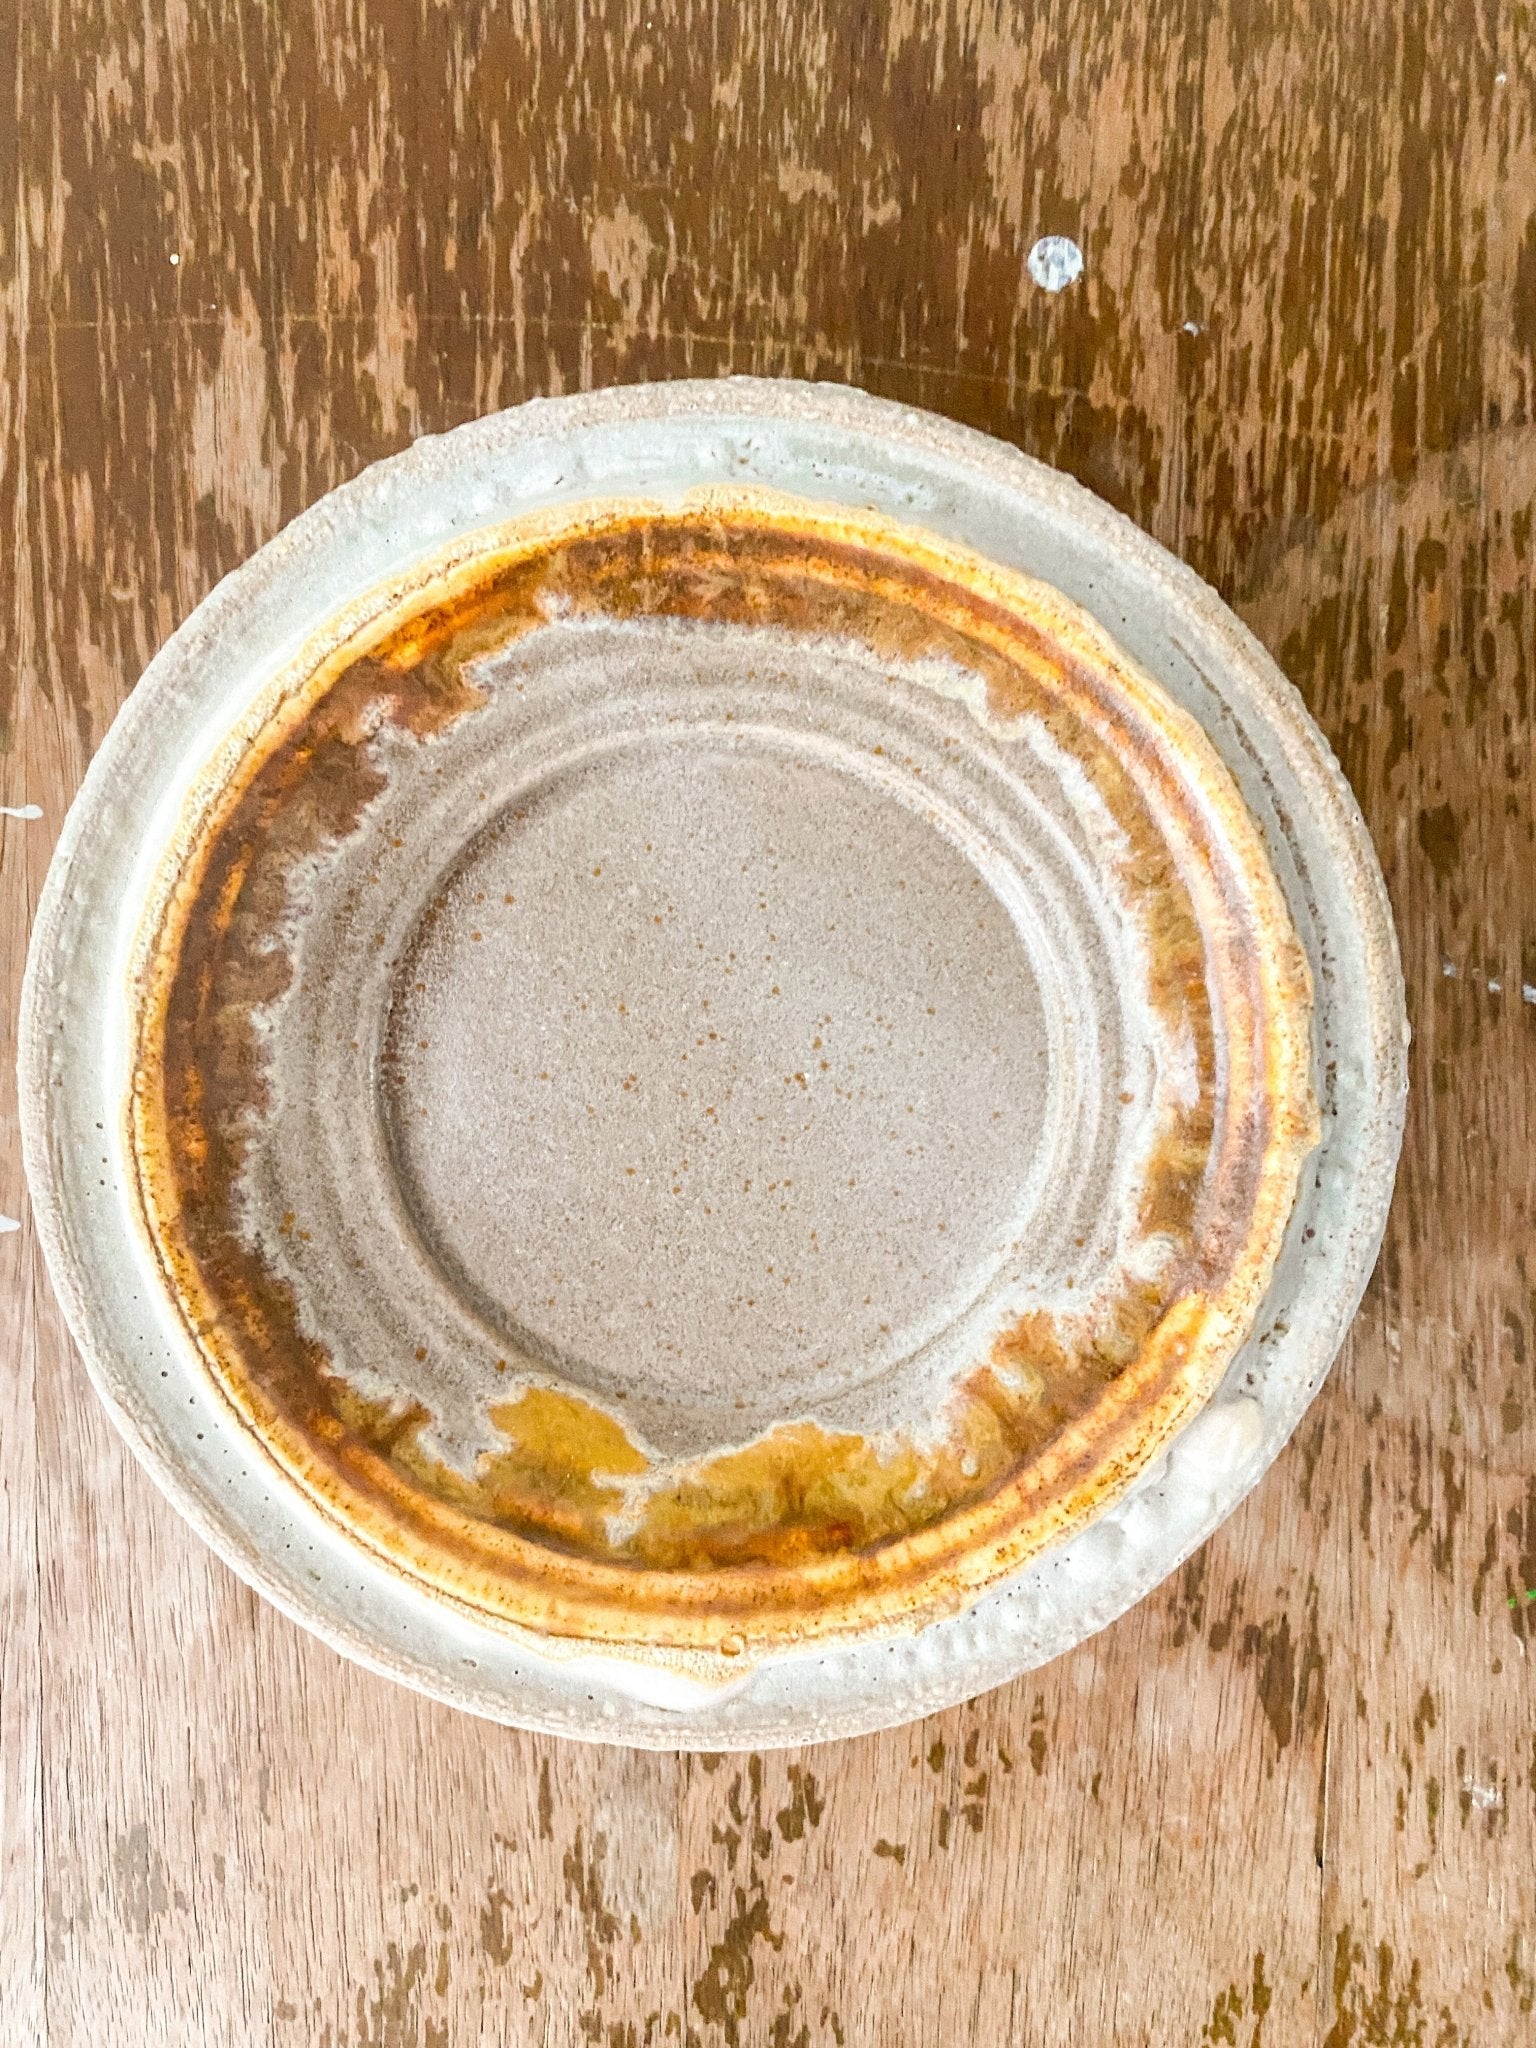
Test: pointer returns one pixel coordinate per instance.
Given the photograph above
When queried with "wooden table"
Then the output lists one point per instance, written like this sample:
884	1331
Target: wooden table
1292	1797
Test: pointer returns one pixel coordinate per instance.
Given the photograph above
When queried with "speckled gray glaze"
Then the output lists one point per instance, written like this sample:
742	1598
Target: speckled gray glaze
846	449
763	1032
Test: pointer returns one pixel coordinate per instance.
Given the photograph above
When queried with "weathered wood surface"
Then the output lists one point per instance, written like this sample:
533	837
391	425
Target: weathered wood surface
246	249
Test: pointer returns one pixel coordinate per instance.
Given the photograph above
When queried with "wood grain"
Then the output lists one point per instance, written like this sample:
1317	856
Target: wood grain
245	250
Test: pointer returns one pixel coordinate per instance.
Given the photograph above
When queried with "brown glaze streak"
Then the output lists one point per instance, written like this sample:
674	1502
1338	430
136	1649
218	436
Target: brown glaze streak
805	1530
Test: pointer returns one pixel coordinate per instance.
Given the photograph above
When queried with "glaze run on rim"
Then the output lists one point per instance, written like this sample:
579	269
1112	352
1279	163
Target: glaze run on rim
828	609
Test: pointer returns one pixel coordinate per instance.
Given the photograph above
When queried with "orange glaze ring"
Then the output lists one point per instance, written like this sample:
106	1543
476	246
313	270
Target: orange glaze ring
805	1532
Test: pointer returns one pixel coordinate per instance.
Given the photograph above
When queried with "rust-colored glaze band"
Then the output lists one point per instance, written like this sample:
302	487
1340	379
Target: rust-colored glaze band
808	1531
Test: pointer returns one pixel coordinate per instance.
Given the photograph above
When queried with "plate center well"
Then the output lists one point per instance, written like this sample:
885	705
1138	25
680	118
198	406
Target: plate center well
714	1077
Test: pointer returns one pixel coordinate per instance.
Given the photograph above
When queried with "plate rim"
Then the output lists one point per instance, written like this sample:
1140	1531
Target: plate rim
54	1176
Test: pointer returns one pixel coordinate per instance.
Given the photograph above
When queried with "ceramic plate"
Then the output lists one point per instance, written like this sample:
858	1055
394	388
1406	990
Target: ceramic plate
710	1065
